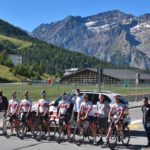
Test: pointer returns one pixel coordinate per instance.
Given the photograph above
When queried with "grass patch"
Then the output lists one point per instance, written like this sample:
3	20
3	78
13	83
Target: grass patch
7	75
20	43
56	89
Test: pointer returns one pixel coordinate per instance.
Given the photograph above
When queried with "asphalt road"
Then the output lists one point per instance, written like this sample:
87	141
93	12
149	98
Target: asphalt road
138	140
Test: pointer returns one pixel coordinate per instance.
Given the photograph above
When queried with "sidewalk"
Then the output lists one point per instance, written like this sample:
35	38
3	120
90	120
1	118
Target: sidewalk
135	104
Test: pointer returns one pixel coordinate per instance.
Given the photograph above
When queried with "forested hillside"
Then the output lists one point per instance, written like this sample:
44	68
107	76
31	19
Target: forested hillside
39	57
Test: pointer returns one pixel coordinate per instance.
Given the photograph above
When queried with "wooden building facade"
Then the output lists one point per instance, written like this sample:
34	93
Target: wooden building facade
87	75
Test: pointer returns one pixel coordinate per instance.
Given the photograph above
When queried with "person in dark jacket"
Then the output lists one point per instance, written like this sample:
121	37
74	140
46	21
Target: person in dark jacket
146	118
3	106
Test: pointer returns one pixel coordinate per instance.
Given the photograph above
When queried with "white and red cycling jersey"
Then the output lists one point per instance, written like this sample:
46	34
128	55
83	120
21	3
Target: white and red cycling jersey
63	107
117	109
86	107
43	105
13	106
26	105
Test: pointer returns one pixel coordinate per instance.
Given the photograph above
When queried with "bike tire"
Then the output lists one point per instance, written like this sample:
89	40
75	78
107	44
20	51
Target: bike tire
89	134
125	136
6	129
113	139
79	135
53	129
20	132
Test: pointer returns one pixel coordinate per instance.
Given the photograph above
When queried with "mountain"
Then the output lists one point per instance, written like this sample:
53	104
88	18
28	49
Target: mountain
112	36
39	57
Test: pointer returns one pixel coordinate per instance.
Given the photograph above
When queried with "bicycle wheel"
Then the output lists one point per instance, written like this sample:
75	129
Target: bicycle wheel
113	139
72	124
52	128
97	134
89	134
59	134
64	134
79	135
35	129
38	131
21	130
126	136
7	129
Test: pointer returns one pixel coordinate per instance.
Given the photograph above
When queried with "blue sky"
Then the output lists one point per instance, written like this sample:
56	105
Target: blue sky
28	14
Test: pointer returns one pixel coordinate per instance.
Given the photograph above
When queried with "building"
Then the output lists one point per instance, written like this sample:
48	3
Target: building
15	58
109	76
70	71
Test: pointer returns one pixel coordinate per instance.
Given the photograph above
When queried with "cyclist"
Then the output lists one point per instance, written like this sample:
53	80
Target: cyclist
25	106
77	103
85	113
146	119
103	109
62	110
13	110
115	118
3	106
43	109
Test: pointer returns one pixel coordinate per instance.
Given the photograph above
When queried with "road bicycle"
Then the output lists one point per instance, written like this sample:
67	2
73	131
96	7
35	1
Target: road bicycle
10	124
119	135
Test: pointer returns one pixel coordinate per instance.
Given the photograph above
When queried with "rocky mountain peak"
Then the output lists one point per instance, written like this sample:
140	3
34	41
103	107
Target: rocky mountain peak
112	36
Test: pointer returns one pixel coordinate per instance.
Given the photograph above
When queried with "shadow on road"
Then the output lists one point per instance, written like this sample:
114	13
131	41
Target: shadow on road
137	133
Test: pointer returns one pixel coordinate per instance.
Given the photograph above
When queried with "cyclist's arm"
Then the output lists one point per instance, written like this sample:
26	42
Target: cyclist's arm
47	111
80	112
29	109
87	113
16	111
37	113
108	108
58	109
8	110
109	114
19	108
121	113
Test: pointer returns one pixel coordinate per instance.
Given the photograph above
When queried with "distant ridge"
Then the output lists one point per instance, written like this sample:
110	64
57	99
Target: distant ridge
112	36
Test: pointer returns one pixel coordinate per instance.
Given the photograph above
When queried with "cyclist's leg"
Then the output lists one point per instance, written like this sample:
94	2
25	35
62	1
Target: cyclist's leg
12	119
46	122
75	116
103	125
93	126
119	126
66	119
23	120
109	131
3	117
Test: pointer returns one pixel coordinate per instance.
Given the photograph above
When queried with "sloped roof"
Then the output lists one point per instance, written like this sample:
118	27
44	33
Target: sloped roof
119	73
125	74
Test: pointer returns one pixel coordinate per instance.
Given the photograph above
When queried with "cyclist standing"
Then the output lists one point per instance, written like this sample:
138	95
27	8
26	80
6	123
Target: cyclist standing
3	106
114	117
85	113
146	119
25	106
62	110
103	109
13	110
43	109
77	103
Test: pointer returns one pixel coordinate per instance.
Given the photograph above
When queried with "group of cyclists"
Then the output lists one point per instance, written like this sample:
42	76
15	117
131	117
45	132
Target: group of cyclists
106	117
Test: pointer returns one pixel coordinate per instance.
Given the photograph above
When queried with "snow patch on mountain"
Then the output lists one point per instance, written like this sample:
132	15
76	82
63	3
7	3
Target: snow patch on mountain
139	27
